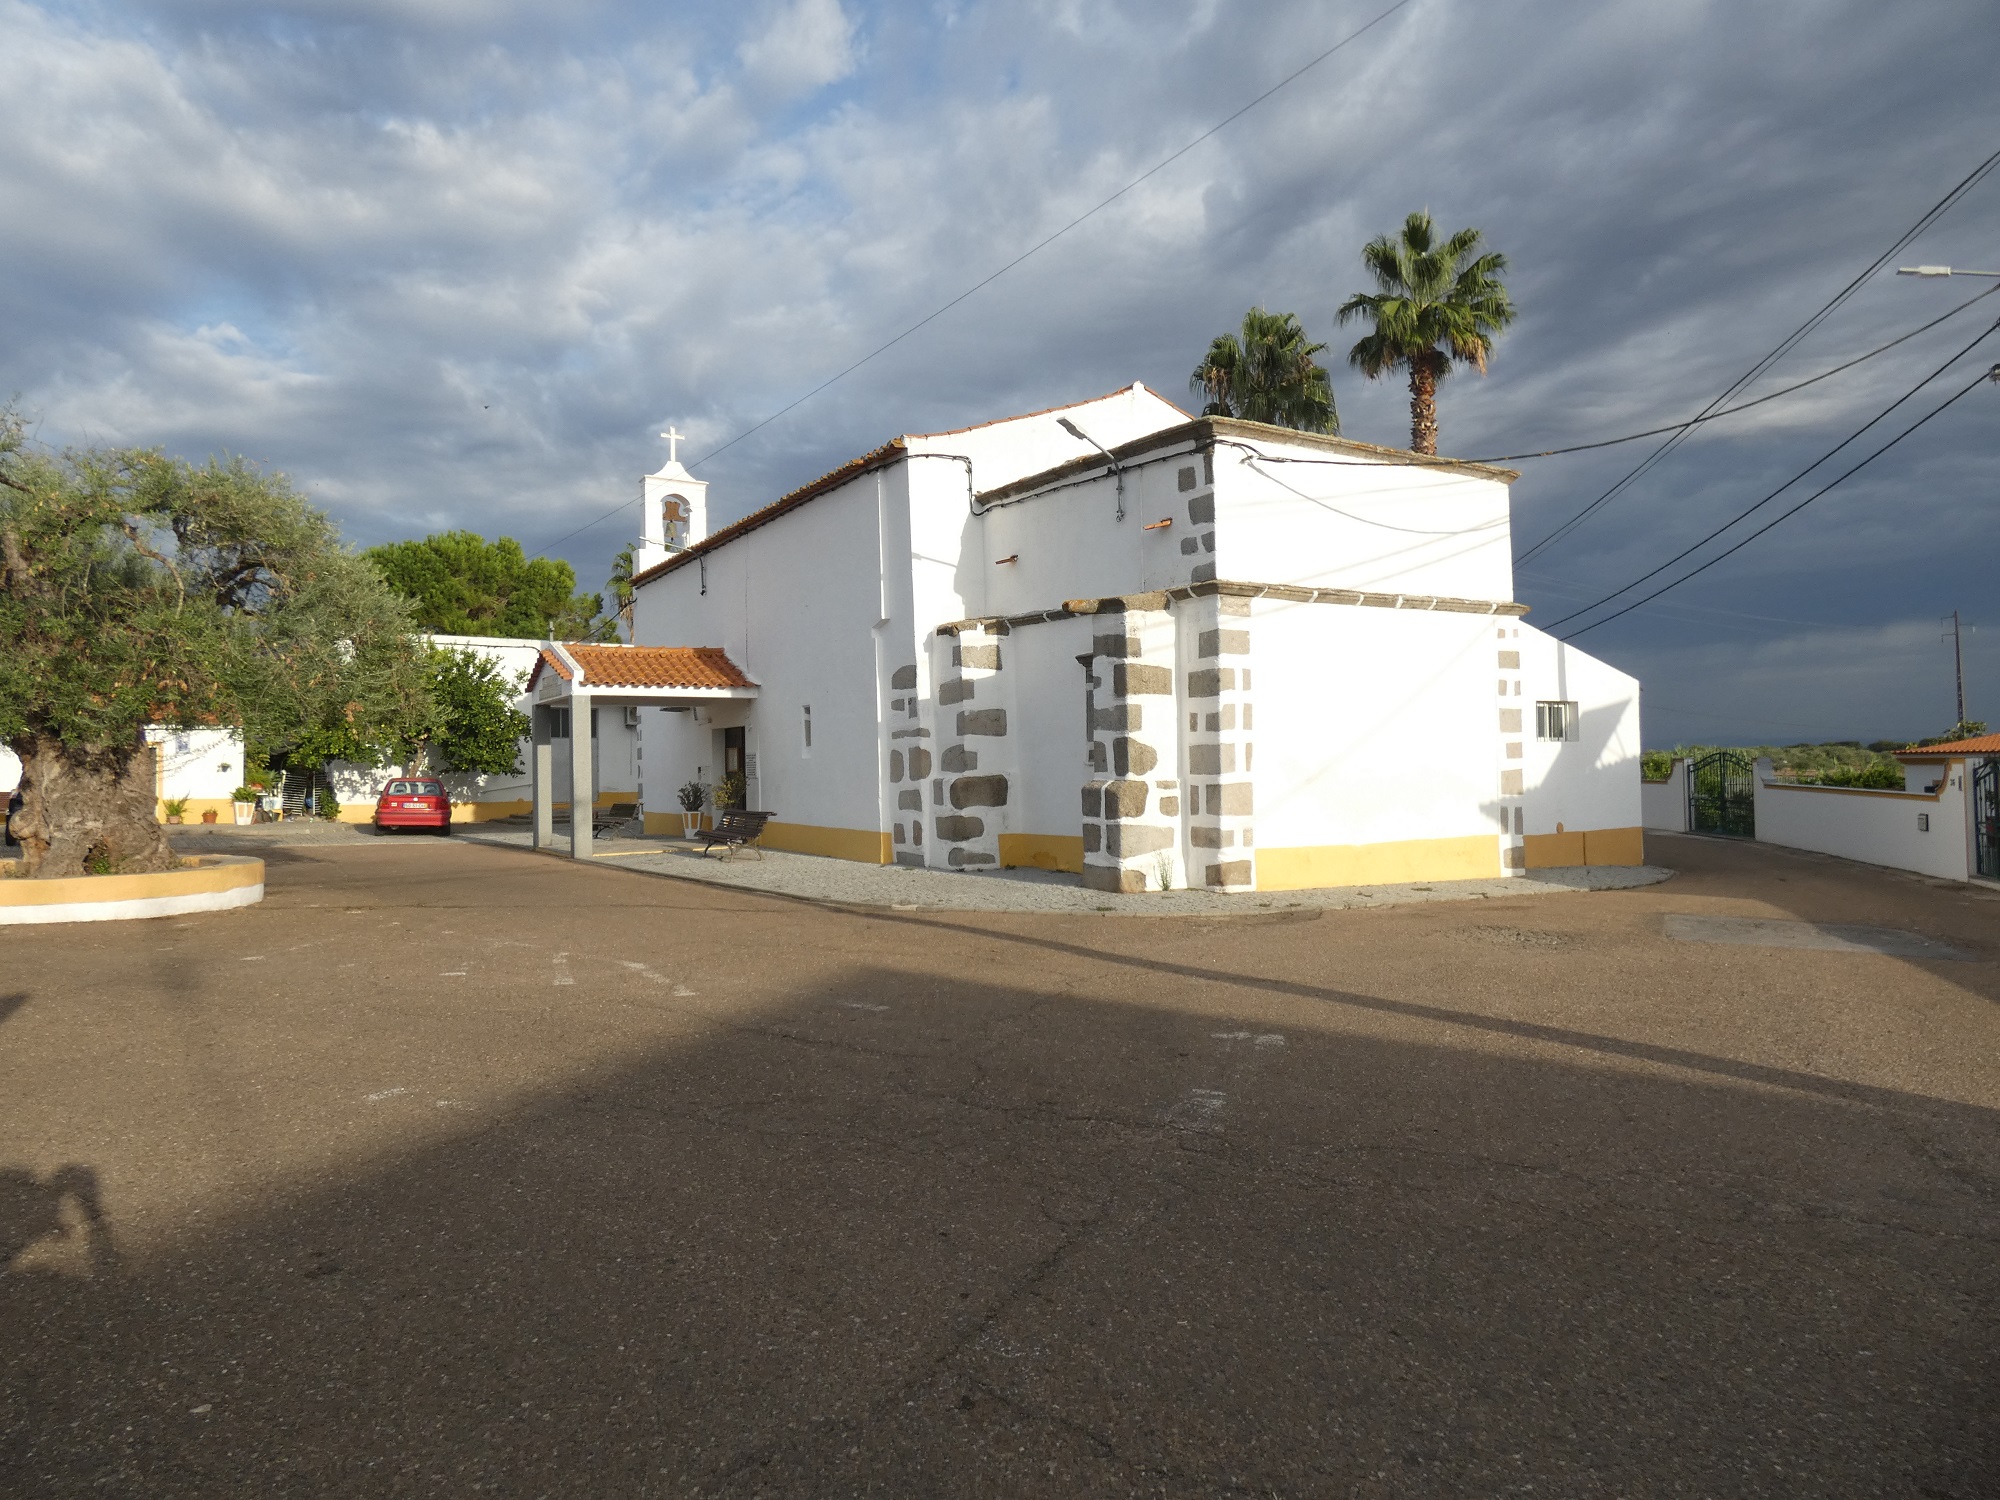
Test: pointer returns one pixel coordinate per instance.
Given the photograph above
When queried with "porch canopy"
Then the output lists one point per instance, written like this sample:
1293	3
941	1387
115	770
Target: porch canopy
581	678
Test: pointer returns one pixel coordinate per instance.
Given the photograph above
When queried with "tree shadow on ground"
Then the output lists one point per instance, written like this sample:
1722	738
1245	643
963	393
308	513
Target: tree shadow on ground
998	1240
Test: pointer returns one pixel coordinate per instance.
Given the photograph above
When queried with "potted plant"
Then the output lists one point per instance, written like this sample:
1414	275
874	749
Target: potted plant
208	815
692	796
732	791
243	802
175	809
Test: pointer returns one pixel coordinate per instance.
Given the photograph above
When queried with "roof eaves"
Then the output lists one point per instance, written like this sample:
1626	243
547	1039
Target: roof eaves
1204	431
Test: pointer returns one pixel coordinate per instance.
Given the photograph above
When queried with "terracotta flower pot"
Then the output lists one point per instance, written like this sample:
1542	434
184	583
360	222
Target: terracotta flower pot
175	818
209	816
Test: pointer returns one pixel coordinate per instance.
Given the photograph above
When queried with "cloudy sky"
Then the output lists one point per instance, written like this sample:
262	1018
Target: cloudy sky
456	262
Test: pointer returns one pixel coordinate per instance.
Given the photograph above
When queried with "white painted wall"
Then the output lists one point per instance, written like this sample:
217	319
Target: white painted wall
1049	756
1875	827
199	764
1664	804
1325	521
1372	725
953	553
1322	521
794	603
1592	781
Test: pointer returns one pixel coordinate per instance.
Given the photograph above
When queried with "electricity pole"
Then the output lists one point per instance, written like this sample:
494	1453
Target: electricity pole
1958	669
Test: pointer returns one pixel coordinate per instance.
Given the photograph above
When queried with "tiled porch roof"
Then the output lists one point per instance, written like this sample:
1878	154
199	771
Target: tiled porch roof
646	667
1984	744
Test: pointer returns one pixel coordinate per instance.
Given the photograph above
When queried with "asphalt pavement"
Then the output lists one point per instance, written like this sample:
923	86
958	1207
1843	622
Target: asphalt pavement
453	1169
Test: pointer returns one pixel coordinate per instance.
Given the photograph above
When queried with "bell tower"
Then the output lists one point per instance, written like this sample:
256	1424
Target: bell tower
675	509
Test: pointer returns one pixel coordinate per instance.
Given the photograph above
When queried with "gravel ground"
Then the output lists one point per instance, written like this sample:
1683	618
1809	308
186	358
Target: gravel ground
906	889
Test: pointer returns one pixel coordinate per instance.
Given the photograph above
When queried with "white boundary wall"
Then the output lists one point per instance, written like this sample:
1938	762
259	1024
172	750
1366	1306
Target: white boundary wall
1928	833
1663	805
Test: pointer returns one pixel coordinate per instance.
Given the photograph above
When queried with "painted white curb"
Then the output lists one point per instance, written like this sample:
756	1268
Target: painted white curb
126	911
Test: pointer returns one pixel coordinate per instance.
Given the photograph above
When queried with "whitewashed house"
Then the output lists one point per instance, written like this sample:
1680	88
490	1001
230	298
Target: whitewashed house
482	797
1154	650
203	767
198	768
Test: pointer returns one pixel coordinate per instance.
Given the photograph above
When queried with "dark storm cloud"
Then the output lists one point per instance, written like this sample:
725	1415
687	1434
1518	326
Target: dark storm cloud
454	263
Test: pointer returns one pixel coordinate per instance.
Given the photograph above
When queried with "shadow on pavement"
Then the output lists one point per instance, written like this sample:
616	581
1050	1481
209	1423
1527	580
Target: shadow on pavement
844	1249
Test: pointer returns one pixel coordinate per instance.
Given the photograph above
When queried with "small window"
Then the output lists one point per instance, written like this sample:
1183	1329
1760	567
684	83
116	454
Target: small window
558	723
1555	721
809	726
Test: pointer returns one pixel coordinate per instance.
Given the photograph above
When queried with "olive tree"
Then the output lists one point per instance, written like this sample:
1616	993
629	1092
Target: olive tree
140	589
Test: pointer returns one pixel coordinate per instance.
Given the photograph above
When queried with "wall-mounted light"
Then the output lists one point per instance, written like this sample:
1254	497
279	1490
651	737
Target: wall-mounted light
1117	471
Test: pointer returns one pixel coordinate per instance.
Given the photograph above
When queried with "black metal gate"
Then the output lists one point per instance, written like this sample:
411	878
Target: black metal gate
1986	817
1722	796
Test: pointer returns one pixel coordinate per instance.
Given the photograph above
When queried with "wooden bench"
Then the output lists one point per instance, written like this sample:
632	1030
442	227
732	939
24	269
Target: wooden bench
612	816
737	829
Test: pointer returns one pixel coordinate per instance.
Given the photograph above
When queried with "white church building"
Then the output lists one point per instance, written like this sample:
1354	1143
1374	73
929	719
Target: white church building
1150	649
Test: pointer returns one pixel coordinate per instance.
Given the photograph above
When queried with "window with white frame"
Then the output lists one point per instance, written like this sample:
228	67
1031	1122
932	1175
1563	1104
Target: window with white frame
809	728
1555	720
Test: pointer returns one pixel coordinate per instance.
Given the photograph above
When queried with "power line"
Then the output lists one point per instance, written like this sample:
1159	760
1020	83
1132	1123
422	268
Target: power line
1992	374
1930	216
1033	249
1745	515
1730	411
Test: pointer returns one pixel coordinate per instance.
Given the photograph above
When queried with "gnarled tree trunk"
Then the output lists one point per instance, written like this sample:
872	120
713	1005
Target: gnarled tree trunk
1423	402
89	804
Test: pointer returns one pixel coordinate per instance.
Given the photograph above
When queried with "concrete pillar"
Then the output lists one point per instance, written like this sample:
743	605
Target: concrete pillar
542	774
582	791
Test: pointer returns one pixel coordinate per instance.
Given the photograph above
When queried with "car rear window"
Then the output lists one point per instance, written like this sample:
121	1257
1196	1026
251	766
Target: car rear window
399	789
414	789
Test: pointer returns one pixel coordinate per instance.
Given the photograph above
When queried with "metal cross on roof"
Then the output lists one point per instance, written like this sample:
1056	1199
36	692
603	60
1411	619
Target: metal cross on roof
674	441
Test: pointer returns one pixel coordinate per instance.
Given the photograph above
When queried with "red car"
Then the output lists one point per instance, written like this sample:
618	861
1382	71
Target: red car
414	802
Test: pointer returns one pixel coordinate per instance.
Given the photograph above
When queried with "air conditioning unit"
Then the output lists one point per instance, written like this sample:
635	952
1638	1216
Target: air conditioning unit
632	717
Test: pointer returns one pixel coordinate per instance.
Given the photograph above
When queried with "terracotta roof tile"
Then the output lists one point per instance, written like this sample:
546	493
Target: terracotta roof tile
649	666
1984	744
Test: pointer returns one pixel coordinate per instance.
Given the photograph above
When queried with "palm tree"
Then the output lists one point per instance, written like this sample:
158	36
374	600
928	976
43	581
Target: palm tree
1268	375
1437	303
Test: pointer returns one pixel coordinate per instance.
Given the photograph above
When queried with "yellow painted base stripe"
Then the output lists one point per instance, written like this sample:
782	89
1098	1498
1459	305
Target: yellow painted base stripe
668	824
1585	846
1476	857
205	872
863	845
196	806
1042	851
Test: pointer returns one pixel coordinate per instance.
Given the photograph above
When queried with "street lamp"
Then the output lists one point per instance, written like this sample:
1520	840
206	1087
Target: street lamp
1940	271
1117	469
